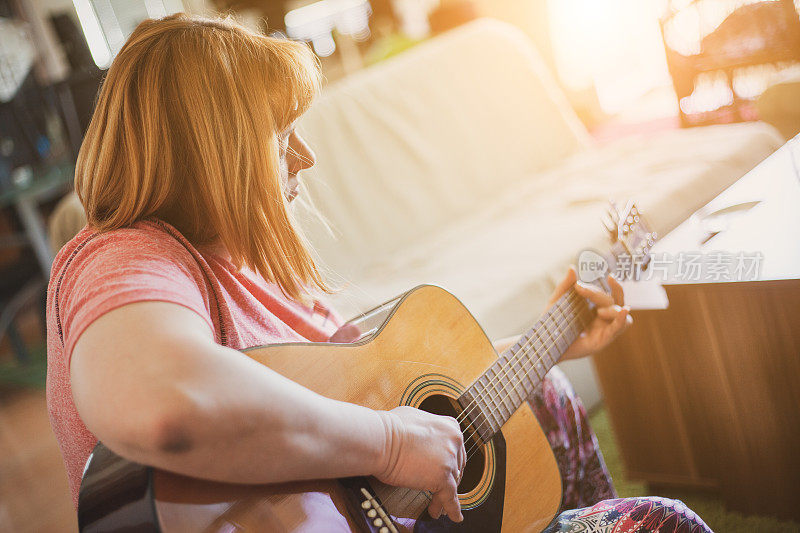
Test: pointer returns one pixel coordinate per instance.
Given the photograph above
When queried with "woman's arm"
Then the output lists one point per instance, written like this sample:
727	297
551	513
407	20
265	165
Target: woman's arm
150	382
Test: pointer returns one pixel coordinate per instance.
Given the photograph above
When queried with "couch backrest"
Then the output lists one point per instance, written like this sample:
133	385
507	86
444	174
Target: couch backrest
409	145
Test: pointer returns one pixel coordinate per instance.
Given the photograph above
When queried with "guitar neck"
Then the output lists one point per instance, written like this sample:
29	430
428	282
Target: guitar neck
519	371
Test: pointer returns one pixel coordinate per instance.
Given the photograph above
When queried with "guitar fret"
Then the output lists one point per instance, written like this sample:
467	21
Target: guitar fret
481	414
509	368
528	367
540	372
521	342
570	325
489	394
569	313
519	371
561	323
501	371
484	410
519	386
562	343
575	319
538	348
552	343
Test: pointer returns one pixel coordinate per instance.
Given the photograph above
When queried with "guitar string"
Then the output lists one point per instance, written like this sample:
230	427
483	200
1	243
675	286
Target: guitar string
426	494
473	404
517	356
512	361
567	299
526	370
491	395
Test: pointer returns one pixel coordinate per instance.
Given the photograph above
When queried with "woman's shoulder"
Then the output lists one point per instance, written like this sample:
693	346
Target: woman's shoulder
144	244
145	237
99	271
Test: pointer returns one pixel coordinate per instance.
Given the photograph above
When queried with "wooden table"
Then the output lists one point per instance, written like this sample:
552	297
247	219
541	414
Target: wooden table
705	391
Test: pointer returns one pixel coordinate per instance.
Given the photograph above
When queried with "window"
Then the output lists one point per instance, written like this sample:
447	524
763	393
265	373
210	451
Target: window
107	23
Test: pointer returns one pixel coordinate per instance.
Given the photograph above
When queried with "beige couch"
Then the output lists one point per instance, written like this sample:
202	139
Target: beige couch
460	163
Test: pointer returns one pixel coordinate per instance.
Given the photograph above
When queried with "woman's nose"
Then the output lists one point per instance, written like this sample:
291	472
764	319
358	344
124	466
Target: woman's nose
300	153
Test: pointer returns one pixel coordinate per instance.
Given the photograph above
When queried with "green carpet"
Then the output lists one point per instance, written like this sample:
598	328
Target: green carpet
711	508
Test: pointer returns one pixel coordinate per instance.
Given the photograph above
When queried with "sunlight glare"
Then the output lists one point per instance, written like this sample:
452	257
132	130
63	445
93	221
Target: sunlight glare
614	45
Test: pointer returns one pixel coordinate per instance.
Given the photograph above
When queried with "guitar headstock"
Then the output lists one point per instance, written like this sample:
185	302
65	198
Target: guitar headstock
628	229
631	241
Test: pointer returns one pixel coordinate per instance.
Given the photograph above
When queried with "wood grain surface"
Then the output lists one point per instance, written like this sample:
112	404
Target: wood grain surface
430	332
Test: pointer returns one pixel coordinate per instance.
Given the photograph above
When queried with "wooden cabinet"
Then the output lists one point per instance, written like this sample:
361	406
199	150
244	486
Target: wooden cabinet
706	392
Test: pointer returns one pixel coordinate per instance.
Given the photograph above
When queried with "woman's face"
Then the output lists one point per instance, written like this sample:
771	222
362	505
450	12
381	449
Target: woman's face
295	155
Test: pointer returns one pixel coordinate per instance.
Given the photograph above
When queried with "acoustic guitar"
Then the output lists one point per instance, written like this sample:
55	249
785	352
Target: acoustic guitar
422	349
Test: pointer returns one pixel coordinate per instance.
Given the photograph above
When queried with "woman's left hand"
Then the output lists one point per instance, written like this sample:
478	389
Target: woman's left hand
613	317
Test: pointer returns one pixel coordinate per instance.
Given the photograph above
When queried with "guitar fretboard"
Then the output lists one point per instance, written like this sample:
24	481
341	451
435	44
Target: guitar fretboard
518	372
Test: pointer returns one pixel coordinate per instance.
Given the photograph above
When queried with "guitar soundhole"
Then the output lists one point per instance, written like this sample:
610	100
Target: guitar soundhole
442	405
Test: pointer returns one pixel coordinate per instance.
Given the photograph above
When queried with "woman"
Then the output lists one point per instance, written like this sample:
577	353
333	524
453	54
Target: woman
190	253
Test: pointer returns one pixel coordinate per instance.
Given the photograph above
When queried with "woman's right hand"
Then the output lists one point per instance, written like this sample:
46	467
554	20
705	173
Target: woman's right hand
424	452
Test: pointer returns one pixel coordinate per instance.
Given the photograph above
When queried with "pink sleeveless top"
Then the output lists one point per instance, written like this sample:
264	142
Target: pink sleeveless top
151	261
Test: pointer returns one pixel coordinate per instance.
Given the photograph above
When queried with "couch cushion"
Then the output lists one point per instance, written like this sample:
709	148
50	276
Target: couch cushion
424	138
504	259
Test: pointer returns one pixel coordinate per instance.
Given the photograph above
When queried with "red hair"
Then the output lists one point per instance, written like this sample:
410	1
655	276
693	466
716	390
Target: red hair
187	129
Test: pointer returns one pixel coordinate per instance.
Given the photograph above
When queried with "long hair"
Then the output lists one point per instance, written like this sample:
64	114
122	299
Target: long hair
187	129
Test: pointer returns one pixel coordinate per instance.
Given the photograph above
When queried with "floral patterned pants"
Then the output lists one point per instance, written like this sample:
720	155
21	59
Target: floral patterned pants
590	503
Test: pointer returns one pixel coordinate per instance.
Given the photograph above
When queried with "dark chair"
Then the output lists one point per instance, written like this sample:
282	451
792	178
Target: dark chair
21	285
757	34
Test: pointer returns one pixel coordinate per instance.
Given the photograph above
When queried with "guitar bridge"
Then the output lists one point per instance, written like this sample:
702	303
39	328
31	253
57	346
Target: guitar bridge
365	505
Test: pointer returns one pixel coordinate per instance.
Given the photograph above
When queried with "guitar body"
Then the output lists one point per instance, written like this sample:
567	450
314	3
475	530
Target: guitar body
425	354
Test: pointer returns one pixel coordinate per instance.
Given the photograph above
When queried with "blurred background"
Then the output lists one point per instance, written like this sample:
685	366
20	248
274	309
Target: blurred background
625	68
